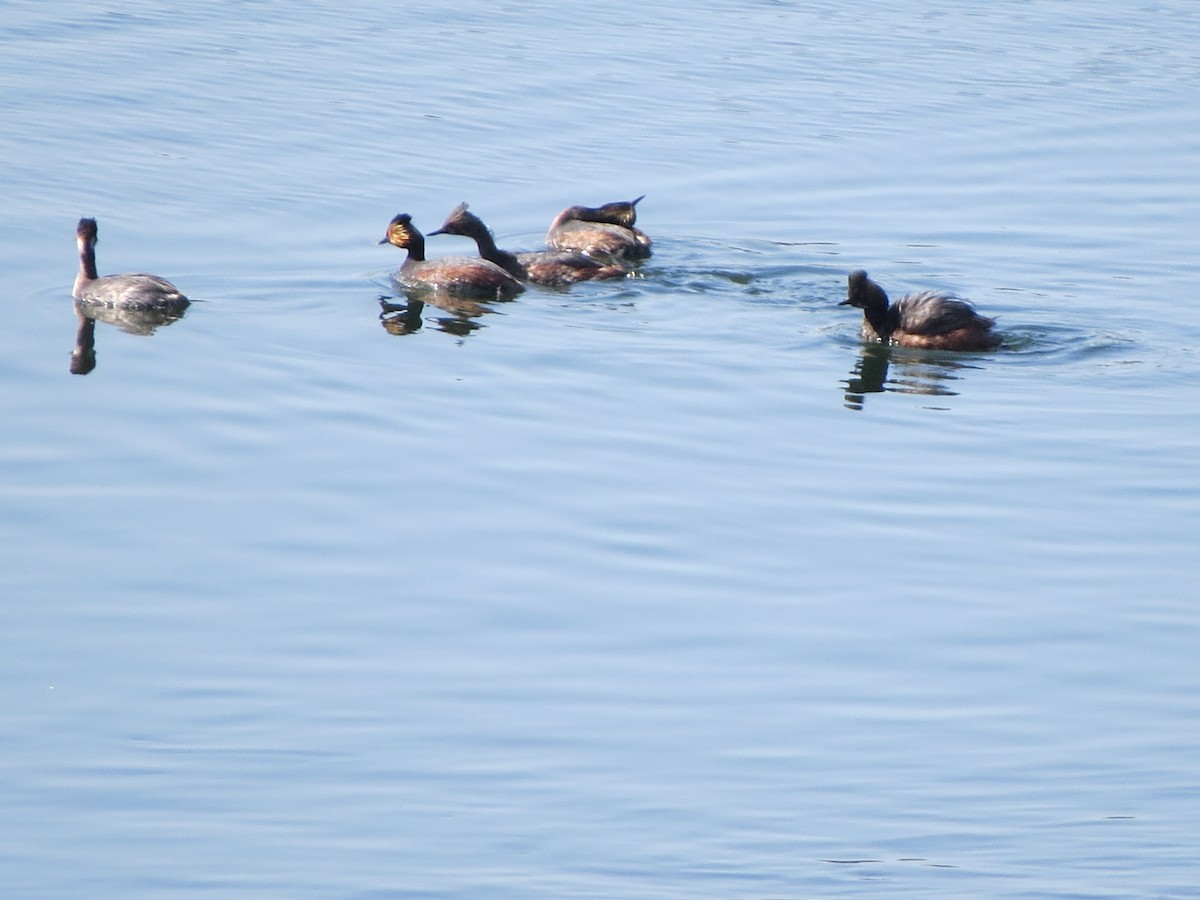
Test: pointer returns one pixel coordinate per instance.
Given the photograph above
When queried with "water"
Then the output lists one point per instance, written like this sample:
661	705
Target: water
663	589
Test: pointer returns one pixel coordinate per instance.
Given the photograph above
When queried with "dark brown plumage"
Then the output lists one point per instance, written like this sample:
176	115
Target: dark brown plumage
929	319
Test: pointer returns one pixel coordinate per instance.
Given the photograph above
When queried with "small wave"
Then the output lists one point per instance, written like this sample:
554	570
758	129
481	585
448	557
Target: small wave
1063	343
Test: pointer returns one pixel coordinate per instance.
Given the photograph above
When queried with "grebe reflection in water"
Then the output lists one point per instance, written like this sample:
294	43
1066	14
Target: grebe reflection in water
880	369
132	320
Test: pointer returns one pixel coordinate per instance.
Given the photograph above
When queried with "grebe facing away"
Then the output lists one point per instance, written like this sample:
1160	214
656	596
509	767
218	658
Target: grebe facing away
550	267
461	276
136	291
929	319
606	230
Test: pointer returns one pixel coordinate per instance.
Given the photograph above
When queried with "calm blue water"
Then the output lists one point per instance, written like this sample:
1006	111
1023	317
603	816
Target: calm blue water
666	588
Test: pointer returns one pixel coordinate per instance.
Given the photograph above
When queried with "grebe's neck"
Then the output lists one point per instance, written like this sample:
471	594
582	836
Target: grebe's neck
87	258
571	212
483	240
416	247
489	251
879	317
87	264
873	301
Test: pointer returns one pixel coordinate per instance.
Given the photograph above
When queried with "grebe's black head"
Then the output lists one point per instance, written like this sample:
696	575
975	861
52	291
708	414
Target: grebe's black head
460	221
86	230
400	231
863	292
622	212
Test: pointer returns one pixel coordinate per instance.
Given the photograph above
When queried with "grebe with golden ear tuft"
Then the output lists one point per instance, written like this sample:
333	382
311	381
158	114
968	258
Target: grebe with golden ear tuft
461	276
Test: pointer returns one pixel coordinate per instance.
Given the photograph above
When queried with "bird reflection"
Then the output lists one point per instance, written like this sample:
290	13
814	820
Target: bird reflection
400	318
132	321
881	368
405	318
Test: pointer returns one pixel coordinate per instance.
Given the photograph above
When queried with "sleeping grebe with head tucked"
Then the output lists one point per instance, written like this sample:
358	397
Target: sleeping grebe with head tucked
606	231
133	291
548	267
462	276
930	319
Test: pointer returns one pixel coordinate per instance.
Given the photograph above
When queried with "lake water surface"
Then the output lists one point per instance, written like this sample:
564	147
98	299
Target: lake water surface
662	588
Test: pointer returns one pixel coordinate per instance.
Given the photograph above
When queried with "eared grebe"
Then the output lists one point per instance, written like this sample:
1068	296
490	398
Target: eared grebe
137	291
606	230
929	319
462	276
552	267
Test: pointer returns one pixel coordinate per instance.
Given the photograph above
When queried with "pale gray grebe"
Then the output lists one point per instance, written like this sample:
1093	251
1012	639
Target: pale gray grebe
606	231
136	291
929	319
550	267
461	276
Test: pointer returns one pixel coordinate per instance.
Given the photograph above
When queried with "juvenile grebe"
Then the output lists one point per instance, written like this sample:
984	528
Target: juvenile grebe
606	230
136	291
930	319
462	276
550	267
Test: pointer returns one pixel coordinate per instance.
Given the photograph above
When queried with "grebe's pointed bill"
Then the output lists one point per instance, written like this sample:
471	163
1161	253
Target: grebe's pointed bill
458	216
